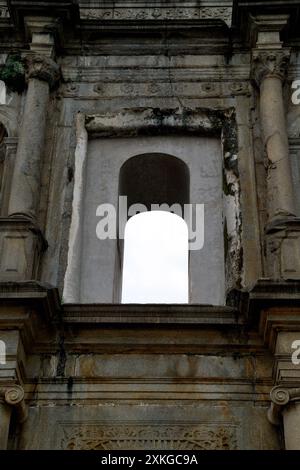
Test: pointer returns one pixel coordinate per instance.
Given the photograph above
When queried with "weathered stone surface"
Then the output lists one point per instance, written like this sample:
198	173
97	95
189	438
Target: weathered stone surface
137	427
26	175
209	83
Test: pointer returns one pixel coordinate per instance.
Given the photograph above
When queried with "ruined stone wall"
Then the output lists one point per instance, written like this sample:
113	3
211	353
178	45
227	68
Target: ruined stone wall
100	375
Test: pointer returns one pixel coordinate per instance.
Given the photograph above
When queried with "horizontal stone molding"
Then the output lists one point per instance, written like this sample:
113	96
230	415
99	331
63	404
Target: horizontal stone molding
270	297
146	121
41	296
155	314
145	12
95	71
159	87
95	390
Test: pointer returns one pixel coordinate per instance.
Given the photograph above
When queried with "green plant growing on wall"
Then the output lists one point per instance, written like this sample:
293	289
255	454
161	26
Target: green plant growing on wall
13	73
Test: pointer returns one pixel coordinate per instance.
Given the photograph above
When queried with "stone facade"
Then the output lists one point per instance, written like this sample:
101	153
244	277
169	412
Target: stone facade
86	85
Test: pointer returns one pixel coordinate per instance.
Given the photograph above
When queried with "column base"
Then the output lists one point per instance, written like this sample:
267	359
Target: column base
21	247
282	244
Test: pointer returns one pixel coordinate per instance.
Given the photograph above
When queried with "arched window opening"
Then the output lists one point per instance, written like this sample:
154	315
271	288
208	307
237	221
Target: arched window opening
155	178
154	259
155	265
114	174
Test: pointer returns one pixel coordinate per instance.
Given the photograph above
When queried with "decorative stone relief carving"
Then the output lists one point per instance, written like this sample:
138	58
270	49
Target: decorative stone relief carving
270	64
14	396
139	13
280	397
42	68
136	436
171	13
159	88
71	89
223	13
99	89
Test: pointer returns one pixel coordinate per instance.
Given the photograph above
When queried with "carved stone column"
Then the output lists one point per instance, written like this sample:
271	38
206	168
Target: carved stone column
285	403
21	240
42	73
270	62
5	414
12	396
269	71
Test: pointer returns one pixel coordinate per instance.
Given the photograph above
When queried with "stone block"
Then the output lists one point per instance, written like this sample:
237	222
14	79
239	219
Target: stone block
283	250
21	246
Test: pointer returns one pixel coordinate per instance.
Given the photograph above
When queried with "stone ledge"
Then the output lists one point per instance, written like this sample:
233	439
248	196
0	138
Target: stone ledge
156	314
31	293
266	293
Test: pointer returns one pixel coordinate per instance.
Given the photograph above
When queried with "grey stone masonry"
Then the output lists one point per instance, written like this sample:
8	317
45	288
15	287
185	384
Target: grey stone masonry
156	101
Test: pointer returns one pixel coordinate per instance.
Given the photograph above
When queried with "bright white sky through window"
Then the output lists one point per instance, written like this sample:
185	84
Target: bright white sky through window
155	268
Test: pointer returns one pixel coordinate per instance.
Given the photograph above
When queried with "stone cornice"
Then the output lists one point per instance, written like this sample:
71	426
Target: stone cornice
280	397
270	63
108	13
29	307
66	10
42	297
277	319
43	68
244	9
266	294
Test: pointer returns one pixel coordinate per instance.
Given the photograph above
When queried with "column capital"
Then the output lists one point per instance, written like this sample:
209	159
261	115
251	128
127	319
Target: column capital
270	63
43	68
13	395
280	397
